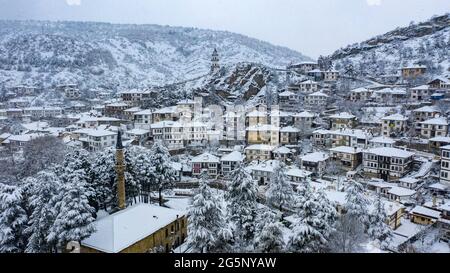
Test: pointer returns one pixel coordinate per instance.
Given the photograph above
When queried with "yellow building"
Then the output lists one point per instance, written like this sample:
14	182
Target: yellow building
424	216
413	71
137	229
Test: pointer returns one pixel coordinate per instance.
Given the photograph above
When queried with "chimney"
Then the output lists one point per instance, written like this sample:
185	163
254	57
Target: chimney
434	201
120	170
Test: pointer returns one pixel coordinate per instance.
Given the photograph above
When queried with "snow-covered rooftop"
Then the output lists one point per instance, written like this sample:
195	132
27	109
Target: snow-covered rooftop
282	150
205	157
315	157
234	156
256	113
261	147
422	87
124	228
382	139
318	94
389	152
137	131
296	172
426	212
396	117
436	121
263	127
441	139
95	132
427	109
346	149
304	114
289	129
286	94
343	115
401	192
360	90
409	180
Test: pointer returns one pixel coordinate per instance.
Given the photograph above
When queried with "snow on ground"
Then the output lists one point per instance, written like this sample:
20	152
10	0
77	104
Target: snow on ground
178	203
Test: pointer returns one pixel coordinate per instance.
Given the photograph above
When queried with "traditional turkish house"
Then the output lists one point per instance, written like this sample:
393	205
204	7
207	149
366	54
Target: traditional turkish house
315	162
413	72
139	228
342	120
434	127
348	157
387	163
422	114
445	165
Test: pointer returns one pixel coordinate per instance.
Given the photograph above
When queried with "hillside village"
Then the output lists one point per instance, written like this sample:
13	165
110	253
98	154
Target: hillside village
188	176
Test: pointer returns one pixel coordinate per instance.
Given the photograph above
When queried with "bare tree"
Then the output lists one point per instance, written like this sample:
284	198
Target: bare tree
348	235
41	153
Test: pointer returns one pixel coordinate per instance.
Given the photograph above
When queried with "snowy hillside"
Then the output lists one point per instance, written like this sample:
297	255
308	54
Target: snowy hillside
97	55
425	43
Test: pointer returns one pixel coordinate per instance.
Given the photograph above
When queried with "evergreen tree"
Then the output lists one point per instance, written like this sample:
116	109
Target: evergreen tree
224	241
356	203
205	217
269	238
13	220
378	229
74	215
242	206
142	170
103	177
280	193
46	186
163	172
313	226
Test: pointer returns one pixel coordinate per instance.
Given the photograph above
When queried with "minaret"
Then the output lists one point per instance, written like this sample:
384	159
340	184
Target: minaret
215	62
120	170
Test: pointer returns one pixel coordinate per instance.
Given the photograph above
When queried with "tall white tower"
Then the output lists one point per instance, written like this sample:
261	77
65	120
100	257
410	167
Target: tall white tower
215	62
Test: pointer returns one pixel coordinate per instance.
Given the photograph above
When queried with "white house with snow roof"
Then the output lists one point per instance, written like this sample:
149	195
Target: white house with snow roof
315	162
434	127
304	121
420	93
259	152
387	163
230	162
342	120
205	163
394	125
316	99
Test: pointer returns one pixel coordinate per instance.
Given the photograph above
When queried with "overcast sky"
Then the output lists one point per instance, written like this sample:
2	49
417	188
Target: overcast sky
312	27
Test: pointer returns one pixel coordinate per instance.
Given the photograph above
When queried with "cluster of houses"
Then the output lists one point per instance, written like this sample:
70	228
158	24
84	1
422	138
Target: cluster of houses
305	133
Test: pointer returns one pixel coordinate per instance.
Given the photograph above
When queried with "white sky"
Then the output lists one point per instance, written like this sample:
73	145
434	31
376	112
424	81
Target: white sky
312	27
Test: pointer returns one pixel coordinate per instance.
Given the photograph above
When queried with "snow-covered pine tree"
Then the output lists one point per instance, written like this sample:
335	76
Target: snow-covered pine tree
46	185
74	216
142	170
205	219
78	163
224	241
269	236
379	230
163	172
356	203
242	207
13	220
313	226
304	193
103	177
280	193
